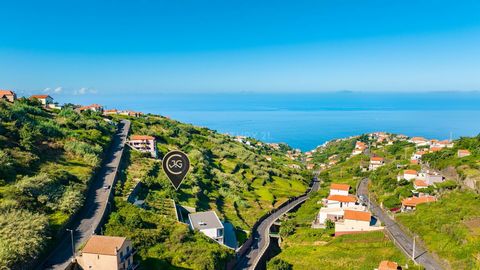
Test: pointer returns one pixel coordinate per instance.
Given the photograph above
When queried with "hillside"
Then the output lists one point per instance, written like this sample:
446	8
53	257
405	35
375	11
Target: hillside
317	246
46	161
447	228
234	179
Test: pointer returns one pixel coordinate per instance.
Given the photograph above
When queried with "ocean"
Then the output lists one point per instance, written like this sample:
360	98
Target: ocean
306	120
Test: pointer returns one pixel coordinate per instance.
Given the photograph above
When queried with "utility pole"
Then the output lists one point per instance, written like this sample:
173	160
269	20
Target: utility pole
413	251
73	247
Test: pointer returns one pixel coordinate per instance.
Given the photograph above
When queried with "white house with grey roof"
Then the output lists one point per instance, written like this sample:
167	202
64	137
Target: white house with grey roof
209	224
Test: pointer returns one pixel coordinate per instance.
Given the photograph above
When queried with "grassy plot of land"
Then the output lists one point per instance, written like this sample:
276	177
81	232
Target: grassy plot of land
450	228
312	249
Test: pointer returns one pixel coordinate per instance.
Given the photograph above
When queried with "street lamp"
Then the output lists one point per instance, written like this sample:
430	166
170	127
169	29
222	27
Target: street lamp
73	247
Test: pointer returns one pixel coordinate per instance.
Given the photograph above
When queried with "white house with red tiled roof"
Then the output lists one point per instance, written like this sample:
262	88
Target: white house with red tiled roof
47	101
419	141
110	112
375	163
412	202
359	148
93	107
339	189
143	143
409	174
417	156
419	184
8	95
463	153
443	144
355	222
341	201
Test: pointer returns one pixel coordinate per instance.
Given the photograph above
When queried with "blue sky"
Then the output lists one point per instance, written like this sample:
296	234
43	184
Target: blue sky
91	47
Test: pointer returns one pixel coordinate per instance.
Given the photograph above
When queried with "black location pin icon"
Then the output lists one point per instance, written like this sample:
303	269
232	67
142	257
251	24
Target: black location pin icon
176	165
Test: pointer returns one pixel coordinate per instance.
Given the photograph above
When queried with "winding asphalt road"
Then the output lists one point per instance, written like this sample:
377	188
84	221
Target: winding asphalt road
401	239
88	219
261	236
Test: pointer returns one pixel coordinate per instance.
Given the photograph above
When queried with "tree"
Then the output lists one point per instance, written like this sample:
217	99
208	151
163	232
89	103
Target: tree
278	264
329	224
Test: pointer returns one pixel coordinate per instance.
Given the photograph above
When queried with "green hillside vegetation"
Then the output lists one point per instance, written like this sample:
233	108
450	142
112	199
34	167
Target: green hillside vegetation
46	161
229	177
466	169
450	228
343	148
318	250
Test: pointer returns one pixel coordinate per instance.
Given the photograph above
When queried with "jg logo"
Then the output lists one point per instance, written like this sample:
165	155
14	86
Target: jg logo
176	165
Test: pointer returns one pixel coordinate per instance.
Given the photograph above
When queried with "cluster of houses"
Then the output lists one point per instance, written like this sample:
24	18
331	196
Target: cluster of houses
49	103
346	212
421	180
360	148
425	146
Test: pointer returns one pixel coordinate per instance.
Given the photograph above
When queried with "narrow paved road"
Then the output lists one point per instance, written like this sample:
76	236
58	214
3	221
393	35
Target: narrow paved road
261	236
96	202
402	239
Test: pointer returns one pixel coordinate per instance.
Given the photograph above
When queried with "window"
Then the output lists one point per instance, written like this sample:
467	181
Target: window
219	232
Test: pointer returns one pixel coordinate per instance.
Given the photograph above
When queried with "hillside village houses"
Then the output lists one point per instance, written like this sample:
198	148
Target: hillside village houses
107	253
143	143
47	101
375	163
409	204
337	201
360	147
408	175
419	141
416	157
355	222
430	177
121	112
93	107
388	265
8	95
209	224
419	184
343	209
463	153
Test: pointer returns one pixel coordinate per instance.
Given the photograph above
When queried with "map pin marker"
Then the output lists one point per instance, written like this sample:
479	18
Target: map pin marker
176	165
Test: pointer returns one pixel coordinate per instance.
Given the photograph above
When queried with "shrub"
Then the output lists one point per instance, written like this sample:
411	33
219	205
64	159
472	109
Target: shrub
278	264
21	236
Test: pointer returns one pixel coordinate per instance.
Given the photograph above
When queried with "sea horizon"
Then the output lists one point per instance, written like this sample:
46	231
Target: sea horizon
307	120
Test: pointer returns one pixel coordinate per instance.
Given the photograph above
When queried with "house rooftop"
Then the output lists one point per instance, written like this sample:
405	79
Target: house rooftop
376	159
342	198
414	201
141	137
6	92
357	215
410	172
105	245
344	187
205	220
40	96
420	183
388	265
